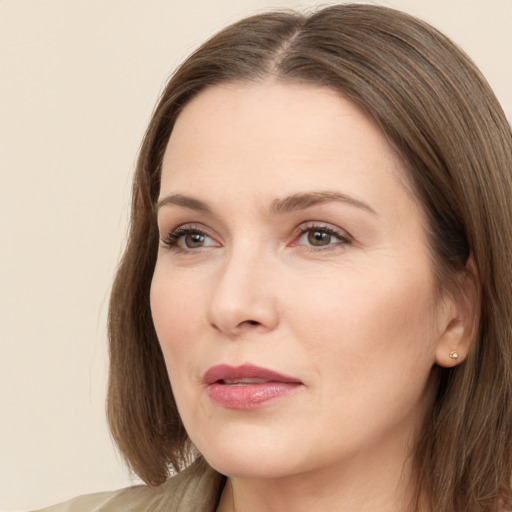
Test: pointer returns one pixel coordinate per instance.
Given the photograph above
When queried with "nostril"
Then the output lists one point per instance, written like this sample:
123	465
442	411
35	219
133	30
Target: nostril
252	322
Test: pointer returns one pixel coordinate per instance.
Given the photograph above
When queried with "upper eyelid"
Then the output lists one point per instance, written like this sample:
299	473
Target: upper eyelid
312	224
305	225
192	226
184	228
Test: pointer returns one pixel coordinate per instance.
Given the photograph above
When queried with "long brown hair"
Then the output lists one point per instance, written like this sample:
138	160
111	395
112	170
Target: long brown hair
442	118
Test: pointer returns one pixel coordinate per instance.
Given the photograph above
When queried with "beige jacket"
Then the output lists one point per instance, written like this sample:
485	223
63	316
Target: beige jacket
192	490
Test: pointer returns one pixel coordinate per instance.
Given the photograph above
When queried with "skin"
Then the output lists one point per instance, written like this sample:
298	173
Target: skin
357	320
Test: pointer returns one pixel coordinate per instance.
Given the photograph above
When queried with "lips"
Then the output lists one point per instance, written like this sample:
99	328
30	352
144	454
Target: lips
247	386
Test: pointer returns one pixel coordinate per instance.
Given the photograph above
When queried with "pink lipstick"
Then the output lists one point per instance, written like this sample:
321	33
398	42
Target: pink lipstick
247	386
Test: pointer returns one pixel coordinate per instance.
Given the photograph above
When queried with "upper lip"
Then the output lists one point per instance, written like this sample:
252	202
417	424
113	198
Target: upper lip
223	372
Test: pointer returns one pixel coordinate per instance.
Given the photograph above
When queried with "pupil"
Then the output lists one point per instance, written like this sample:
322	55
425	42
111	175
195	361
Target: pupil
319	238
194	240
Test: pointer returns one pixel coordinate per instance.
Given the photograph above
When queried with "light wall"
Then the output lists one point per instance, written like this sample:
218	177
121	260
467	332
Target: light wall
78	81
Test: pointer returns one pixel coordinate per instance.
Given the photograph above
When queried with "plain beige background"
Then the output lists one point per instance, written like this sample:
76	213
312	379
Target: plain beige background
78	81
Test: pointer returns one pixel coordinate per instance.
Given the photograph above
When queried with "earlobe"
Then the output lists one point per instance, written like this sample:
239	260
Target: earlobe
462	320
453	345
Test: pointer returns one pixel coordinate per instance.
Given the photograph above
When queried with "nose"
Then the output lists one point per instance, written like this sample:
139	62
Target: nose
244	296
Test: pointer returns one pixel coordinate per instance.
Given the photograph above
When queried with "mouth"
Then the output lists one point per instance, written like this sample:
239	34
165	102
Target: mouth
242	382
247	386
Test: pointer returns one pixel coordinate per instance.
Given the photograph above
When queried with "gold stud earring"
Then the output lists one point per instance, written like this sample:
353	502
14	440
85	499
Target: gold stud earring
454	355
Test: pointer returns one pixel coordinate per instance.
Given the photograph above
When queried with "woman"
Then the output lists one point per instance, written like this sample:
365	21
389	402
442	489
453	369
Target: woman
313	310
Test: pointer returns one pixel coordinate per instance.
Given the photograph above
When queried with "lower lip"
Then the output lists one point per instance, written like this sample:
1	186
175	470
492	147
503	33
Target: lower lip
249	396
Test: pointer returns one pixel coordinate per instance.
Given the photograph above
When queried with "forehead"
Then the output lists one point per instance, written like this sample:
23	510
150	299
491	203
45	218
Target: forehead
275	138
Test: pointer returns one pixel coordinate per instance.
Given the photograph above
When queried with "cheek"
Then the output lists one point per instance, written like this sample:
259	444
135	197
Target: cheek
379	324
371	345
176	316
175	309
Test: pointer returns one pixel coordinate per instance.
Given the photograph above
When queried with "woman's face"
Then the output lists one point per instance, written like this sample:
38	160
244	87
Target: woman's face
293	294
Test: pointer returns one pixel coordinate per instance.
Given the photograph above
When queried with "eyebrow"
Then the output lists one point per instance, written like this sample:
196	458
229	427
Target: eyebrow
185	202
305	200
295	202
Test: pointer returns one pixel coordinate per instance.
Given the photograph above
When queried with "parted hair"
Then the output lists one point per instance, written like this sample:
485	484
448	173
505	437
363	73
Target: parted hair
443	120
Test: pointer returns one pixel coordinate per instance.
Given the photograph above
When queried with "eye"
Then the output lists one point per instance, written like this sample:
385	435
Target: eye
321	237
192	240
317	237
188	238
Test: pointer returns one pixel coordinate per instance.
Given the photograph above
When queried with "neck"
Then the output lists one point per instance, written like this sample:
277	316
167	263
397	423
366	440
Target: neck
383	486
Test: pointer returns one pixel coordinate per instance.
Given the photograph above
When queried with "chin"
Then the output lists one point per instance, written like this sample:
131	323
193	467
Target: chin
242	456
257	467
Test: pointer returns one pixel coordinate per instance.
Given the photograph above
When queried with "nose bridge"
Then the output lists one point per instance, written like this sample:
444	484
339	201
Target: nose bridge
243	295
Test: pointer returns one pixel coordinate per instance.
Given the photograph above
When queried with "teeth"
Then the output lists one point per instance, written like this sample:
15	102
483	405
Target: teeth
241	382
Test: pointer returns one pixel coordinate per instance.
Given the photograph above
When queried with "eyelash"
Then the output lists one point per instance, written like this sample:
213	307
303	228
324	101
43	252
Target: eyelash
172	238
344	238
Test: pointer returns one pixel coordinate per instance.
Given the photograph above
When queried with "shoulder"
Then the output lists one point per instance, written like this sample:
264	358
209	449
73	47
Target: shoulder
196	489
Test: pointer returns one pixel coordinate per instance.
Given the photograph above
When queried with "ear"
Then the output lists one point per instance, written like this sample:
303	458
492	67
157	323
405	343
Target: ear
461	321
